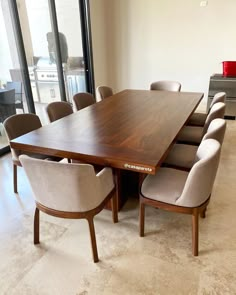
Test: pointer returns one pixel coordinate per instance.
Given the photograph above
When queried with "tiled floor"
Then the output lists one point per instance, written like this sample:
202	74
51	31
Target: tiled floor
159	263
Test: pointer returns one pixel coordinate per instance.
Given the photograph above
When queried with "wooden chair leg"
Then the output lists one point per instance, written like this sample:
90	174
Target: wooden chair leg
203	213
36	226
141	218
114	207
93	239
15	178
195	230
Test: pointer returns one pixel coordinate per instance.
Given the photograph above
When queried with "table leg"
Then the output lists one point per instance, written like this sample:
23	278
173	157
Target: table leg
128	183
117	176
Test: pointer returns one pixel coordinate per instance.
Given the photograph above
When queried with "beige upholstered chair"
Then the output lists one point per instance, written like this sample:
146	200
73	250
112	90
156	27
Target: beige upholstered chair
182	156
18	125
70	191
83	99
58	109
194	134
166	86
198	119
183	192
103	92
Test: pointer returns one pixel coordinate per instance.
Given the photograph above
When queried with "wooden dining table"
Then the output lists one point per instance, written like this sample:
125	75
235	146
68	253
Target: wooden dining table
131	130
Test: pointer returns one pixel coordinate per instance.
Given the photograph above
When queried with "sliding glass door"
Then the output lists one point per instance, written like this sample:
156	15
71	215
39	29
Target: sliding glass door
45	55
55	73
12	95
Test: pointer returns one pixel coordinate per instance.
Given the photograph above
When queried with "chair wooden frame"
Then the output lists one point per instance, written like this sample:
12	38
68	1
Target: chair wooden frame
15	164
195	211
89	215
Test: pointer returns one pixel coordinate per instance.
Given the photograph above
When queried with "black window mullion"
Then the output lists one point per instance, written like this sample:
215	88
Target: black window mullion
87	44
22	56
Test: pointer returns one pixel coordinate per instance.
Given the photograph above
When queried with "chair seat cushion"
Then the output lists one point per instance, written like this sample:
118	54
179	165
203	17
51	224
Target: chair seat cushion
191	134
166	186
197	119
182	155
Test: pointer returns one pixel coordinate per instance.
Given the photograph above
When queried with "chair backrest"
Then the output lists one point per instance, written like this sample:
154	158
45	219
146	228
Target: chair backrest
217	111
216	130
218	97
20	124
7	96
201	177
7	104
17	86
63	186
83	99
166	86
58	109
16	76
103	92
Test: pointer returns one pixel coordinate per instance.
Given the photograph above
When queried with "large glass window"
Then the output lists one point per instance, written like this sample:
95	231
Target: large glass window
48	47
41	51
40	55
12	96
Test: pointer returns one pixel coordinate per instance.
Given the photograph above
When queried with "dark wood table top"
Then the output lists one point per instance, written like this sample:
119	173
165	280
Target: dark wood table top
131	130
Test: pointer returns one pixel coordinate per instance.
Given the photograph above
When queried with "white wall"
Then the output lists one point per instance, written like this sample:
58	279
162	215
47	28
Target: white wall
148	40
